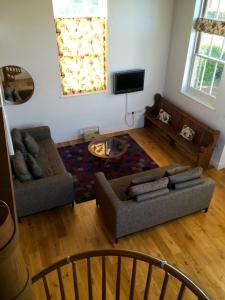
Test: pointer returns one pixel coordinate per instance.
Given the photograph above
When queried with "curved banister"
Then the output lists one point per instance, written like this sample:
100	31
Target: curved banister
186	282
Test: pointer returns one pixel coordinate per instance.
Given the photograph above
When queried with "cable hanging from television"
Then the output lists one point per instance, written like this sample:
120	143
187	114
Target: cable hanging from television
126	113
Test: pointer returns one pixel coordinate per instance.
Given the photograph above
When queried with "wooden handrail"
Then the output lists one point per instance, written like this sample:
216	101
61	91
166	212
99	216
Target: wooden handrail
170	271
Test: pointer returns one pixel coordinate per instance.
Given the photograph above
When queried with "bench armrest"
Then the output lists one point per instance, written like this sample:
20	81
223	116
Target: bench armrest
202	149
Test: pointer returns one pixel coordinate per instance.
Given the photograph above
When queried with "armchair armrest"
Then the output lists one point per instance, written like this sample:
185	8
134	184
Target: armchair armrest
105	195
42	183
42	194
39	133
110	205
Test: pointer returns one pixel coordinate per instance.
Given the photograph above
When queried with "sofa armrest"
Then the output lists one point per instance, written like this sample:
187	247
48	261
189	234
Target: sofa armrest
39	133
42	183
110	205
105	195
42	194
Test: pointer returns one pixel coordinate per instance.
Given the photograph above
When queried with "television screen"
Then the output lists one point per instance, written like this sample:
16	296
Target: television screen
128	81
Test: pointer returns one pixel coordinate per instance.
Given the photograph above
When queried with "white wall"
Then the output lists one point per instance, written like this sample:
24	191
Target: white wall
182	27
138	37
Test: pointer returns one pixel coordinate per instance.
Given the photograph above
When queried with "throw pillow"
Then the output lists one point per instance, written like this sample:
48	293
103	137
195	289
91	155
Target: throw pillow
8	93
176	170
139	189
185	176
190	183
31	145
144	179
20	168
151	195
187	133
33	166
163	116
16	96
17	140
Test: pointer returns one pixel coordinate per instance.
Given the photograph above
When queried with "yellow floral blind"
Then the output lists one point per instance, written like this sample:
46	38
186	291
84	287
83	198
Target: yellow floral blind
82	54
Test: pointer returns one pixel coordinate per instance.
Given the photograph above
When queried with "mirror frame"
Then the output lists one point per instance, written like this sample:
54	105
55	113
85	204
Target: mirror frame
28	97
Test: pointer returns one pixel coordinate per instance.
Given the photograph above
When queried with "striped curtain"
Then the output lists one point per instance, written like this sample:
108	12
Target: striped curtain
210	26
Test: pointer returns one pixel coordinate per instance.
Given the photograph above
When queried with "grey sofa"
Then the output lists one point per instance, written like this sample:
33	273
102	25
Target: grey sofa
54	189
126	217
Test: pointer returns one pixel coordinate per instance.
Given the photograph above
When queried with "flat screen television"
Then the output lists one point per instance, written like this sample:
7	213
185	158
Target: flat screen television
128	81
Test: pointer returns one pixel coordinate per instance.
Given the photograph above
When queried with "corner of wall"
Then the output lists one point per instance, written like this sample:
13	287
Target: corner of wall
172	24
218	161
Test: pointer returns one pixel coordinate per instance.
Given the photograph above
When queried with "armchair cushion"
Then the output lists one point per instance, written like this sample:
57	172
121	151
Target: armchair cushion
186	176
34	167
144	179
186	184
17	140
176	170
151	195
31	144
143	188
20	168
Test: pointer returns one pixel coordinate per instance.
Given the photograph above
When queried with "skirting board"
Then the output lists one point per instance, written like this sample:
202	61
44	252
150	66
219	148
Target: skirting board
65	138
217	164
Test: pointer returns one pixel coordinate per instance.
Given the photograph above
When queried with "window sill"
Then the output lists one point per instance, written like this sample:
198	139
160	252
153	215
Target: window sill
204	100
83	94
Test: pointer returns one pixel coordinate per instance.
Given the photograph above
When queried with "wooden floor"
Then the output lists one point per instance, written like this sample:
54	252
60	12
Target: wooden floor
195	244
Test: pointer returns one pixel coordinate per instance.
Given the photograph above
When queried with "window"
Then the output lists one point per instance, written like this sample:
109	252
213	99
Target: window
209	55
81	38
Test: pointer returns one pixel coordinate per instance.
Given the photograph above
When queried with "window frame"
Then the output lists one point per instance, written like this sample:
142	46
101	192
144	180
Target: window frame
198	95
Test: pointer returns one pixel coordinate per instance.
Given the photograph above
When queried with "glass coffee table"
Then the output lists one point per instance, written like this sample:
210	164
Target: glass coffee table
108	149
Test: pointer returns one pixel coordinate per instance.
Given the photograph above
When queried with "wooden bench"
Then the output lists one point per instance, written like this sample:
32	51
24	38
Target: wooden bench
205	138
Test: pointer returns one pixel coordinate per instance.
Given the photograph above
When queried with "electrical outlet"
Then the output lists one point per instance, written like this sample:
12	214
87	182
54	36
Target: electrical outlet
134	112
140	111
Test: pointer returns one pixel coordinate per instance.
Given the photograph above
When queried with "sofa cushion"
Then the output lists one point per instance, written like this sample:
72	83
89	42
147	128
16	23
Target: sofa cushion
120	185
185	176
190	183
31	144
164	116
48	158
139	189
146	178
151	195
176	170
187	133
33	166
17	140
20	168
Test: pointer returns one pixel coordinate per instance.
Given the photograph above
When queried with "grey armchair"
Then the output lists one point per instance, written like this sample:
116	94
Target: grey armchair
54	189
126	217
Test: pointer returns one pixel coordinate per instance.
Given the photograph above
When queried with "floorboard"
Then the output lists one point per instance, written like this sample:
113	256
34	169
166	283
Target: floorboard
195	244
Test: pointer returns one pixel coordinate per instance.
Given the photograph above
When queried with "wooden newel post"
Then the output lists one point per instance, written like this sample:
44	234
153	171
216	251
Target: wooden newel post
14	275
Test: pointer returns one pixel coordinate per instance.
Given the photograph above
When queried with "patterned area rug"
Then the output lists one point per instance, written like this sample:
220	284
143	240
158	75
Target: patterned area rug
82	165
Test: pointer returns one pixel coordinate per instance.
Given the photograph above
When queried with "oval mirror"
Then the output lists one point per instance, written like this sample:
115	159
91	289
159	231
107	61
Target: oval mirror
17	84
